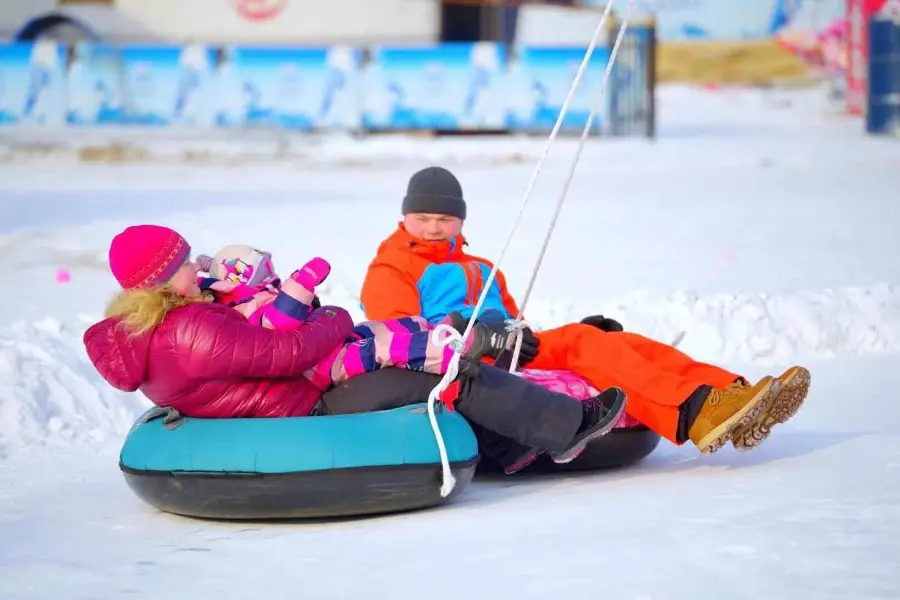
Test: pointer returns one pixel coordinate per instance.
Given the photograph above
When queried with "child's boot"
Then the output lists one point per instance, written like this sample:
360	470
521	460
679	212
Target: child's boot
600	414
482	341
485	339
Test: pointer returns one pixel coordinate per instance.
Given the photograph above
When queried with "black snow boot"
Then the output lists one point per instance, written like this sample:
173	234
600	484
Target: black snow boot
486	339
483	341
600	413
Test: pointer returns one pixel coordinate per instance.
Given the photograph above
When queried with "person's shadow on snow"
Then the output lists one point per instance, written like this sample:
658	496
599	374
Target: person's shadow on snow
783	445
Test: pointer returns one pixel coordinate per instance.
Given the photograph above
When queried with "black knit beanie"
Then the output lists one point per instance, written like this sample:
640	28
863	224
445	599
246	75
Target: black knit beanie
434	190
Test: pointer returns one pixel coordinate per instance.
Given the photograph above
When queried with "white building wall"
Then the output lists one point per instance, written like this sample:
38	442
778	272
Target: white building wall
232	21
14	13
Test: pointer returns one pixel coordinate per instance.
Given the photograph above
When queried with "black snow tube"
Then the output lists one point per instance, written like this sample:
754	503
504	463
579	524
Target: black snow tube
620	447
333	493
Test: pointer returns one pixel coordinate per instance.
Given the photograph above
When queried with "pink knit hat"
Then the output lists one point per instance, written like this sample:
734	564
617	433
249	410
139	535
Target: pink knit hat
147	256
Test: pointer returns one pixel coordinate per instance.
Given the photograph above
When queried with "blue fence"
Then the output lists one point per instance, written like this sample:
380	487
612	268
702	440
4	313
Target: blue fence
883	95
447	87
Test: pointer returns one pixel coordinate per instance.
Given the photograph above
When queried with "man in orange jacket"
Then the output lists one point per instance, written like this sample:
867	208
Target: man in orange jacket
422	269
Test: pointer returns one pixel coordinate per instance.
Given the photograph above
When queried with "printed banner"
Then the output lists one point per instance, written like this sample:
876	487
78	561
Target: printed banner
539	80
729	20
858	55
295	88
32	84
447	86
458	86
156	86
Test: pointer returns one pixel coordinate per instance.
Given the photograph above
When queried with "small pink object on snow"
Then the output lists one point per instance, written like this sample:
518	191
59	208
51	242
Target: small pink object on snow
63	276
726	254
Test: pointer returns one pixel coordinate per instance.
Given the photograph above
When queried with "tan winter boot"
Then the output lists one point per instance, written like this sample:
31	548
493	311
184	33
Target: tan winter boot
724	410
793	388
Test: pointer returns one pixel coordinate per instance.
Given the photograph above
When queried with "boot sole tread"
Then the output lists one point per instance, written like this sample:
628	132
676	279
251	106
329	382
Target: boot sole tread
783	407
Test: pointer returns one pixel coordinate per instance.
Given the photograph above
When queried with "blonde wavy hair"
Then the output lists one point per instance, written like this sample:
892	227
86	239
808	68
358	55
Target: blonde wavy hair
142	310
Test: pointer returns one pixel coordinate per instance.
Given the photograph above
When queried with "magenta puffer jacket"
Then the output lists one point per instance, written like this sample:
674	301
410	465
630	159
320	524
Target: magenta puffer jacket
206	360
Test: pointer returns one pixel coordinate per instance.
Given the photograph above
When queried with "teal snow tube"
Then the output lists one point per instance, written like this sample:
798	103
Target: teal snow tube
312	467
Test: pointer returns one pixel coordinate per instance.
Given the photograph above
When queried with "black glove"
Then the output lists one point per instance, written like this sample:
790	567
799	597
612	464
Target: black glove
502	345
602	323
530	346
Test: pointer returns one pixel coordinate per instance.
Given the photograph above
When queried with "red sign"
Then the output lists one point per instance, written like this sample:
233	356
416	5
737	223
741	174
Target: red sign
259	10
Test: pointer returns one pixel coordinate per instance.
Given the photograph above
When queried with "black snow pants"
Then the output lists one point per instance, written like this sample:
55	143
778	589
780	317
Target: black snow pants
508	413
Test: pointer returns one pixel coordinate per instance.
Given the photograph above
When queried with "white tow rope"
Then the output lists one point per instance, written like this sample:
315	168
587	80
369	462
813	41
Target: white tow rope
519	324
444	335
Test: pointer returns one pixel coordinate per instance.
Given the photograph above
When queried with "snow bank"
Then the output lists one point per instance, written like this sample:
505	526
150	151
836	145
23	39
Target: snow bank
754	328
211	147
50	393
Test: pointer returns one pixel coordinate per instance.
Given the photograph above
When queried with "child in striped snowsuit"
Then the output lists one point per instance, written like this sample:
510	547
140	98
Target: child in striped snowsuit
244	278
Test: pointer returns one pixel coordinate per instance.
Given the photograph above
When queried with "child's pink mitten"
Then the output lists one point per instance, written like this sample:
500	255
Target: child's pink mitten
312	273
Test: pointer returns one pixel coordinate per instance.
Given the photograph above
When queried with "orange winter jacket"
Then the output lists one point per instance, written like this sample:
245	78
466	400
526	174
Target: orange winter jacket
410	276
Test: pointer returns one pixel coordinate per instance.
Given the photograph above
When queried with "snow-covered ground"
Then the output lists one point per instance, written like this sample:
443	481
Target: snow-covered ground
758	223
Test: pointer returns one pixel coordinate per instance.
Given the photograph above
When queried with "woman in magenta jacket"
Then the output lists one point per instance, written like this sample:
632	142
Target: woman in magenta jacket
164	337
